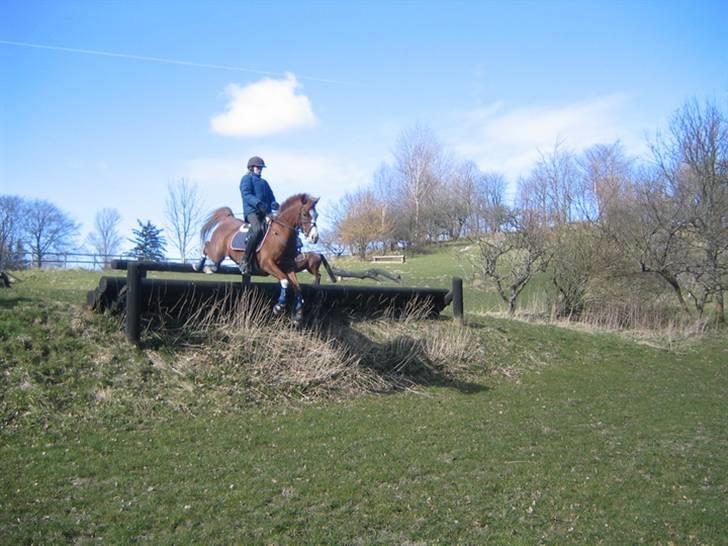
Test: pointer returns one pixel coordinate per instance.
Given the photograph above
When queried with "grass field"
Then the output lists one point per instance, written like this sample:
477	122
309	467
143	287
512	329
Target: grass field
549	436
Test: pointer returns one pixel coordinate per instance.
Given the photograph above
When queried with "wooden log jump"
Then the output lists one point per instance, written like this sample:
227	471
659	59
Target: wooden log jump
372	273
175	296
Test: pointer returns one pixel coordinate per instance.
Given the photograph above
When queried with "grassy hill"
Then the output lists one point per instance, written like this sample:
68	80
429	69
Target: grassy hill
539	434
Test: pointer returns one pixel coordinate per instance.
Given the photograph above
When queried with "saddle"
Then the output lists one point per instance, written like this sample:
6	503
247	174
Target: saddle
240	239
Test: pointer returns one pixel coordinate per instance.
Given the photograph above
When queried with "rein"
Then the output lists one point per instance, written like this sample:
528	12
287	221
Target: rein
277	221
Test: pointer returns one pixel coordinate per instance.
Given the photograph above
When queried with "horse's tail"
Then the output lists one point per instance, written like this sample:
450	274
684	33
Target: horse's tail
328	268
216	216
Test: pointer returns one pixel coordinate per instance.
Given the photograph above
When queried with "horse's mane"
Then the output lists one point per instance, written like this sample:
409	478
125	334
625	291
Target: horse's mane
298	198
286	210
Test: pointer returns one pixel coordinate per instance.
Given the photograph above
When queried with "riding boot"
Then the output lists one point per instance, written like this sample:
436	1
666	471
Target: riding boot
246	264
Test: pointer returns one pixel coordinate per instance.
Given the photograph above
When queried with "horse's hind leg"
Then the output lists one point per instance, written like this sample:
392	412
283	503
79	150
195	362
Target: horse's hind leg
207	252
314	269
199	265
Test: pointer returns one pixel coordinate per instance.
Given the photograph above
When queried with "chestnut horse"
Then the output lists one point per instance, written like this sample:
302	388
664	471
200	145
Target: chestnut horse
276	254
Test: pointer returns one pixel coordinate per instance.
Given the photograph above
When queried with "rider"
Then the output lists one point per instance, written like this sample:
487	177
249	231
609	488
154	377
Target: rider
258	201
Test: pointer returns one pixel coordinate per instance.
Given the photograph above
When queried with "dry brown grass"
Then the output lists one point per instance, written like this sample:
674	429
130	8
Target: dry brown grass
656	323
244	353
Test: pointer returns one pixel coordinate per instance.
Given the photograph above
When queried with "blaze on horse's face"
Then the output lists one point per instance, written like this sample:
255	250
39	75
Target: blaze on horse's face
308	221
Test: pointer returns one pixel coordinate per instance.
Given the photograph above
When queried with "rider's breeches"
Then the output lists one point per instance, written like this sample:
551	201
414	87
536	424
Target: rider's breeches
256	226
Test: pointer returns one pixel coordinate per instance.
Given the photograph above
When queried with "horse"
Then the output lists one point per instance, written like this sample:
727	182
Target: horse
276	253
312	262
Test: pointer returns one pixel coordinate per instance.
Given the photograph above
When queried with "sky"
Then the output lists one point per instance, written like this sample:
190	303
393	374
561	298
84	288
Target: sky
104	104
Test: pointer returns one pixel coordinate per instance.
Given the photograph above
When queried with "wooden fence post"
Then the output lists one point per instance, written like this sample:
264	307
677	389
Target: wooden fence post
457	299
134	275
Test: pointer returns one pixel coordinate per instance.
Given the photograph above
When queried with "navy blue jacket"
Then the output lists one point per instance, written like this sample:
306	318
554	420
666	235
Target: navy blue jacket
254	190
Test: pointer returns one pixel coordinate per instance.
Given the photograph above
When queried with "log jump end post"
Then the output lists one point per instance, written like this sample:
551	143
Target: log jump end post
457	300
134	274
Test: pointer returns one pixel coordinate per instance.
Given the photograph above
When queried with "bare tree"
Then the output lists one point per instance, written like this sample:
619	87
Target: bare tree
693	161
331	242
650	229
360	221
490	209
11	217
184	213
512	257
47	230
105	239
418	161
550	188
455	199
606	174
573	251
589	186
384	188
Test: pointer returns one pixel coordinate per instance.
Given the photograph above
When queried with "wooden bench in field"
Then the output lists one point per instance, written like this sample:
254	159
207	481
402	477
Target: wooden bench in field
399	259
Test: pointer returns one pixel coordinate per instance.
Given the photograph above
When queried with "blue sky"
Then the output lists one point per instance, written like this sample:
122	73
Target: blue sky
321	90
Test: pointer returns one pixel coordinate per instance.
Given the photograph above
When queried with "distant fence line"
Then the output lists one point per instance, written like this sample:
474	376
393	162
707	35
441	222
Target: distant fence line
78	260
91	261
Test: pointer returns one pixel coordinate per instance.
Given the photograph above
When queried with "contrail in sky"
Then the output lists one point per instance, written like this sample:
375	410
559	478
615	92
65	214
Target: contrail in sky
166	61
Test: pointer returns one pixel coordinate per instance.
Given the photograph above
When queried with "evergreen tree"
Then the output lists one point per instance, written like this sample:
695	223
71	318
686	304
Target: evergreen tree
148	242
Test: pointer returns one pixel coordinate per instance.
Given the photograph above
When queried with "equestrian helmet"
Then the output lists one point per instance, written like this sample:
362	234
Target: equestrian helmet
256	161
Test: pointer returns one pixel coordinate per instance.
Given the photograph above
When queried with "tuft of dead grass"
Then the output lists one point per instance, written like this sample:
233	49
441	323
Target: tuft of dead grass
655	324
72	365
246	352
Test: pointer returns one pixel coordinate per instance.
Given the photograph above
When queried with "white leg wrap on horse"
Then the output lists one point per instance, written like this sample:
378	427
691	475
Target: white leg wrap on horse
282	296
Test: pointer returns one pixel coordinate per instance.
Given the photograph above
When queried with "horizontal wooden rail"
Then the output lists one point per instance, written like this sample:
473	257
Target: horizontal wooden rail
169	266
139	295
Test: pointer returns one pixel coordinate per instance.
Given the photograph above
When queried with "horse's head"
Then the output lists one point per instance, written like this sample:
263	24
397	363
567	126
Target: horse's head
299	212
307	218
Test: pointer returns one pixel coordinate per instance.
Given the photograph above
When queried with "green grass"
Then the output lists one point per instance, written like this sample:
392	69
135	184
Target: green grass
557	437
436	268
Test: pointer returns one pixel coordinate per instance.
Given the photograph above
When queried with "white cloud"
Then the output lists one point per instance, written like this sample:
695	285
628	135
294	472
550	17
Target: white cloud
265	107
510	140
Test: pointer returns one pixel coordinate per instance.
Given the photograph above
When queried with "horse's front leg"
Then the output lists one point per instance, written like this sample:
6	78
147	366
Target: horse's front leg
298	306
272	269
282	297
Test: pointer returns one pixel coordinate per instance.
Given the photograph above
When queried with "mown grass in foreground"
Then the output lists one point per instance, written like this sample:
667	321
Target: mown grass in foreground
624	449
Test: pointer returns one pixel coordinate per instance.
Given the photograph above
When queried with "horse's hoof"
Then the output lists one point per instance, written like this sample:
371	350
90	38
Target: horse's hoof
277	309
208	270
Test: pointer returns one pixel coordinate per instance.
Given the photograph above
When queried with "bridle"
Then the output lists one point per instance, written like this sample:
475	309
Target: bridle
300	225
